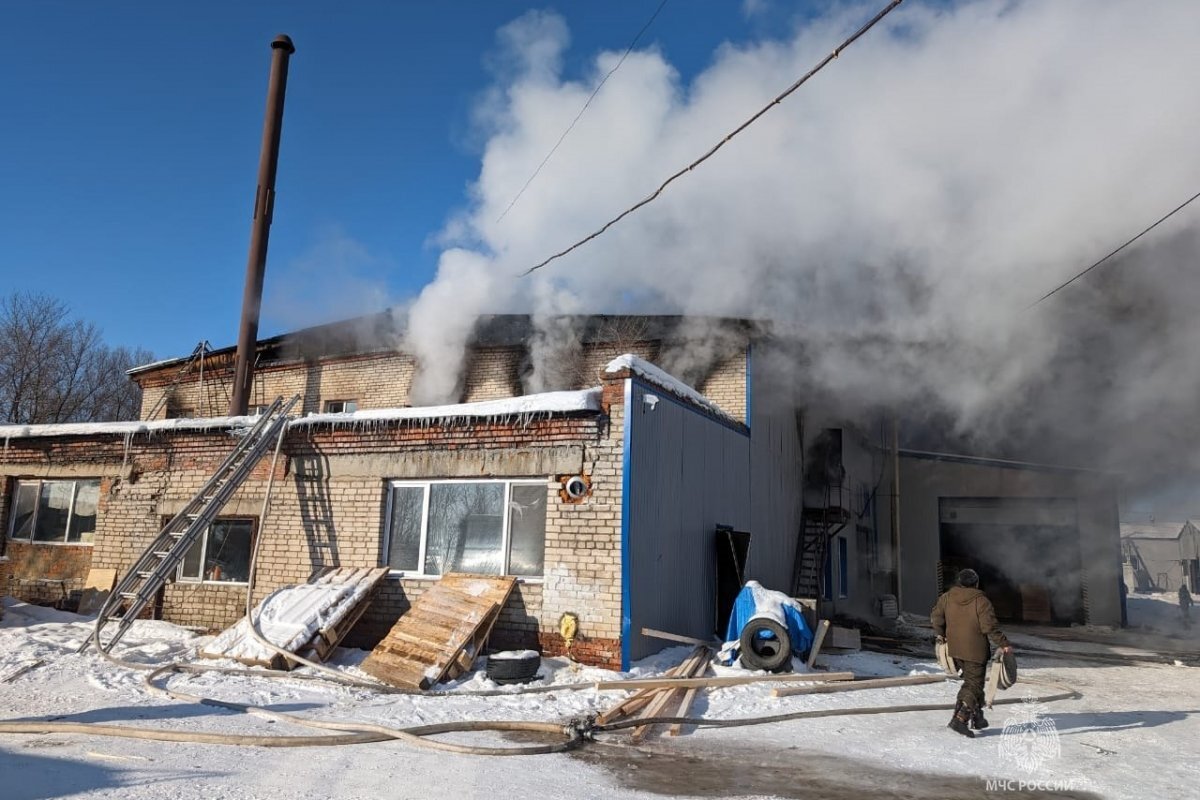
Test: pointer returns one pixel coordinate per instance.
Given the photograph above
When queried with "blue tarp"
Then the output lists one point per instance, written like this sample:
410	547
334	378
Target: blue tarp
755	601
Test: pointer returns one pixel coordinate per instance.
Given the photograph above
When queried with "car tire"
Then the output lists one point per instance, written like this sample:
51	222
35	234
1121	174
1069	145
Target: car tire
507	670
772	653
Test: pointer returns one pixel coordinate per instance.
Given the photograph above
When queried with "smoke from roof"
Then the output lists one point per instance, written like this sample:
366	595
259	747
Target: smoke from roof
894	217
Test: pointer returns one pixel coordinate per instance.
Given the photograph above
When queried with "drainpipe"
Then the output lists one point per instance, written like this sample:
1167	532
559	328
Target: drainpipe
896	508
260	230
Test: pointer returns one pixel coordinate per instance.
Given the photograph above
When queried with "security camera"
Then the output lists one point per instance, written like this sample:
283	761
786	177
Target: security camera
651	400
575	487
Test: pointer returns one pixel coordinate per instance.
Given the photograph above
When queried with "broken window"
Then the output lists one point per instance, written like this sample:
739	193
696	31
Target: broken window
221	554
62	512
341	406
489	527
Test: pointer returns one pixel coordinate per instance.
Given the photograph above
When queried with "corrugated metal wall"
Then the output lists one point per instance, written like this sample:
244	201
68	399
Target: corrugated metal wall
686	474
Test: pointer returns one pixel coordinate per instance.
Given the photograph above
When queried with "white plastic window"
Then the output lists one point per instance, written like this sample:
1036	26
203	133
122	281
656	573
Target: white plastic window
488	527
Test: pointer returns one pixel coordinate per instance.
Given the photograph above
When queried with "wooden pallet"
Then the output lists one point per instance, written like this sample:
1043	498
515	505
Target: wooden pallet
335	624
439	637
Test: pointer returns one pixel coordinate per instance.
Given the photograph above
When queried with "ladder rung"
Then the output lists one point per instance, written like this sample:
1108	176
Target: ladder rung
130	595
162	553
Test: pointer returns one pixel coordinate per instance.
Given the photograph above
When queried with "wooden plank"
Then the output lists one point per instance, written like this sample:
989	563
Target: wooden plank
719	680
818	639
675	637
659	707
96	589
21	669
689	696
442	631
853	686
639	699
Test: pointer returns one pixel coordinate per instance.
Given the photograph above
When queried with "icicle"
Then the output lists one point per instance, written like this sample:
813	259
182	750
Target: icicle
125	458
6	437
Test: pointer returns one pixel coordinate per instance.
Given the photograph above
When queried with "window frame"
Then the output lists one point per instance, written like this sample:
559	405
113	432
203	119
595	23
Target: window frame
425	485
325	407
37	504
201	581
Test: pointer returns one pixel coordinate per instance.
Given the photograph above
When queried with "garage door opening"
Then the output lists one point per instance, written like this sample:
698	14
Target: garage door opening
1026	551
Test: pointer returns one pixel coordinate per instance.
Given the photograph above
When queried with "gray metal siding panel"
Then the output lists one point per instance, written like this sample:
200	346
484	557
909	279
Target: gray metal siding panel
688	473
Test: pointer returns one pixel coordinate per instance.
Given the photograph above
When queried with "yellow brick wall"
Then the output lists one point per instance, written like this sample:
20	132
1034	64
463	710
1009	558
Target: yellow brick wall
383	380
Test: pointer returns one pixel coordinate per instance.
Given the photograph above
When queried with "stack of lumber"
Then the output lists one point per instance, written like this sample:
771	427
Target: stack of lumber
439	637
310	619
662	701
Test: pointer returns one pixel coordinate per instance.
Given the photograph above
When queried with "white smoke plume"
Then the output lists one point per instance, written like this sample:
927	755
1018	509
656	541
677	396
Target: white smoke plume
895	215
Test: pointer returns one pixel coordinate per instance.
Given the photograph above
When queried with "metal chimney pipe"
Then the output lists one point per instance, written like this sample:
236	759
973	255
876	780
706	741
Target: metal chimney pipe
260	230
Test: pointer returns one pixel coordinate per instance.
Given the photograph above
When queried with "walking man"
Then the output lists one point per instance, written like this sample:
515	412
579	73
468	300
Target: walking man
965	620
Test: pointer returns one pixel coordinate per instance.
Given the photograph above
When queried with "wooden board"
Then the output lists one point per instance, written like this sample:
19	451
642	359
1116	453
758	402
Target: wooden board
439	637
96	589
237	642
818	639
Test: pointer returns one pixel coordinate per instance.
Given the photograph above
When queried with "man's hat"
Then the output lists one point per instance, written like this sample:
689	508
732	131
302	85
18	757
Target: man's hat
968	577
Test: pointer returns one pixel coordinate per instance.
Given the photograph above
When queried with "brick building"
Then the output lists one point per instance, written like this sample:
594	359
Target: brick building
363	480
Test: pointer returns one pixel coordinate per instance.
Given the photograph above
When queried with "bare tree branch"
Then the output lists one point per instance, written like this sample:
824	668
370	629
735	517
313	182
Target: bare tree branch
57	369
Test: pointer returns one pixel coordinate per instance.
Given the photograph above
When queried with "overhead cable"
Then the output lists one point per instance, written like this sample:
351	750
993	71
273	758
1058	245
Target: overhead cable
779	99
1079	275
586	103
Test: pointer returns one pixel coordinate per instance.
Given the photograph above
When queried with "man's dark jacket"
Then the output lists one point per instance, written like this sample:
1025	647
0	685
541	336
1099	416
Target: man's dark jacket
967	620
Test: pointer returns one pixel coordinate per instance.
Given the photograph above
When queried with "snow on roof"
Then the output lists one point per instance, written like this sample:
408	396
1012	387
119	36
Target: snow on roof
527	407
123	428
664	380
1153	530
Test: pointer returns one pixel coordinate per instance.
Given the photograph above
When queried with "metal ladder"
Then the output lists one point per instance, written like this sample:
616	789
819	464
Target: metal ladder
158	563
818	526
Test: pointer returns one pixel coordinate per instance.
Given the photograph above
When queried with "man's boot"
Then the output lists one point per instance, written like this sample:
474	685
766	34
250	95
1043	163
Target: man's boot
978	722
958	723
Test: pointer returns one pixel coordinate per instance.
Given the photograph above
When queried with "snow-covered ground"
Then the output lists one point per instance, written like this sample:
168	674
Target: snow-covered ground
1132	735
1159	612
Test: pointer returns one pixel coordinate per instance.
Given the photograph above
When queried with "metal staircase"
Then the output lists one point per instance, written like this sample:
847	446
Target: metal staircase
818	525
139	586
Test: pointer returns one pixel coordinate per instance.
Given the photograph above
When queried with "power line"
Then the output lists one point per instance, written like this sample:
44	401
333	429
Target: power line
586	103
1158	222
803	79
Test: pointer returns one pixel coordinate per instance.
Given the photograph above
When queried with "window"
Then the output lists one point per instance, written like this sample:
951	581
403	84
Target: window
489	527
341	406
62	512
257	411
180	412
222	554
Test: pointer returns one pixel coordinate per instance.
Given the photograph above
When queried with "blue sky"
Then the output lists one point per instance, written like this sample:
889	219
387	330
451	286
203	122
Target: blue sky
130	132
